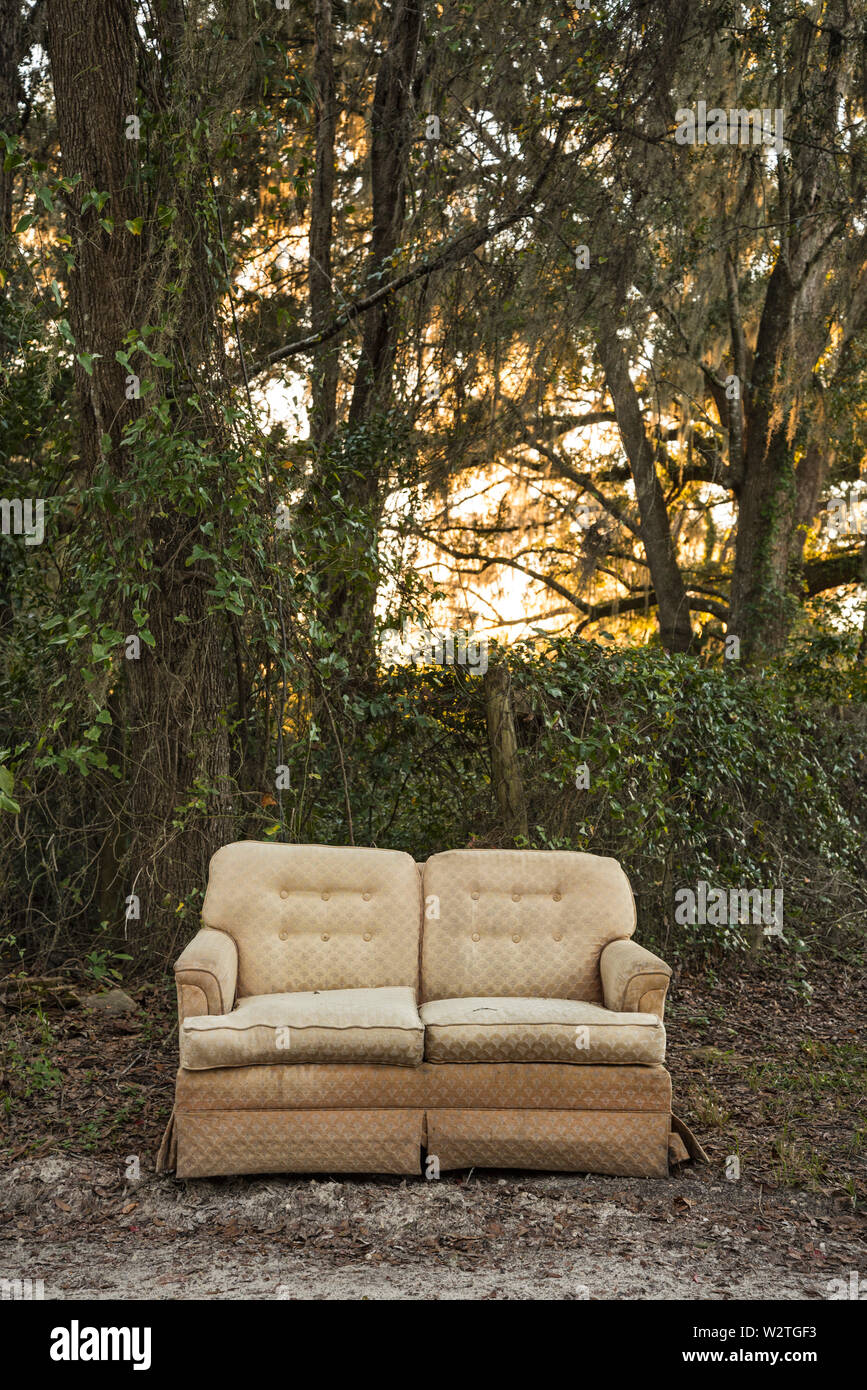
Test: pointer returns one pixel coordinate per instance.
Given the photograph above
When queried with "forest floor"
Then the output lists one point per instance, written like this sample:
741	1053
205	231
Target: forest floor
765	1069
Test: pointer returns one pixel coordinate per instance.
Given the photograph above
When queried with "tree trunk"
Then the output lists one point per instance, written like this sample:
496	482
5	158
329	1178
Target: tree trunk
351	589
172	808
389	156
93	66
792	337
326	363
760	593
675	628
13	46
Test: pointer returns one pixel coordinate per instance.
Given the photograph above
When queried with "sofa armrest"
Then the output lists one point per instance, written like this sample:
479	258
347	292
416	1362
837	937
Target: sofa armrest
634	980
206	973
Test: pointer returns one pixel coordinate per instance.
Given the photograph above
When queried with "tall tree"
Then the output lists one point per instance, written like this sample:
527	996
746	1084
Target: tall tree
143	253
325	369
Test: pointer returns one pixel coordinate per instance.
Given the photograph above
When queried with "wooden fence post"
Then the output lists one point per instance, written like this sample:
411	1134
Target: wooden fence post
504	750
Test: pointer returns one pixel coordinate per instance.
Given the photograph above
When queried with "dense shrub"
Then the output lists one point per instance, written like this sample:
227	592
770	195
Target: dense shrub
694	773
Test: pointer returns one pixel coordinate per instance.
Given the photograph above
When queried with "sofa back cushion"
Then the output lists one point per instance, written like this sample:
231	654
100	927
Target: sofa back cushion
316	916
519	922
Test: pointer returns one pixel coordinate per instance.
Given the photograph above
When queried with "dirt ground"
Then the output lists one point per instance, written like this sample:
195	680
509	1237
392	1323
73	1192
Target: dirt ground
89	1233
766	1069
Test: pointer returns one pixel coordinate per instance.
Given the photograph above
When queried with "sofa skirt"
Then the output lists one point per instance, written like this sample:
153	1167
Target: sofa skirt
354	1119
219	1143
571	1141
224	1143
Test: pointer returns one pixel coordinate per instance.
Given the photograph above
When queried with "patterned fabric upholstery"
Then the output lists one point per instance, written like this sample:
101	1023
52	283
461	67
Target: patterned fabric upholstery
206	972
582	1141
538	1030
633	977
210	1144
303	1049
433	1085
336	1025
316	916
521	922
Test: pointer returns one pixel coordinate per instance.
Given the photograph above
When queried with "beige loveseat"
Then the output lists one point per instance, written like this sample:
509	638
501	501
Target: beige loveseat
344	1010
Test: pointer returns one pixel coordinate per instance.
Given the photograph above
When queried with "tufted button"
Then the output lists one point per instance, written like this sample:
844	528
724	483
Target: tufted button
557	936
284	892
367	936
557	897
516	938
284	935
325	936
325	897
475	936
366	897
474	897
516	897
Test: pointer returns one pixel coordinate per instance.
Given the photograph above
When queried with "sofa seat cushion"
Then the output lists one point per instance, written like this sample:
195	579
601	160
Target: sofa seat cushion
334	1025
538	1030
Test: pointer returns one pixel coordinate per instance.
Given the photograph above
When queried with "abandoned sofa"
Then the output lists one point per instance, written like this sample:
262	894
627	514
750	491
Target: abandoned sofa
343	1010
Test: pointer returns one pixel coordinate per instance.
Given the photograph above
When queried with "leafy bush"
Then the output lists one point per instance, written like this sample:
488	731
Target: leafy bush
694	773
